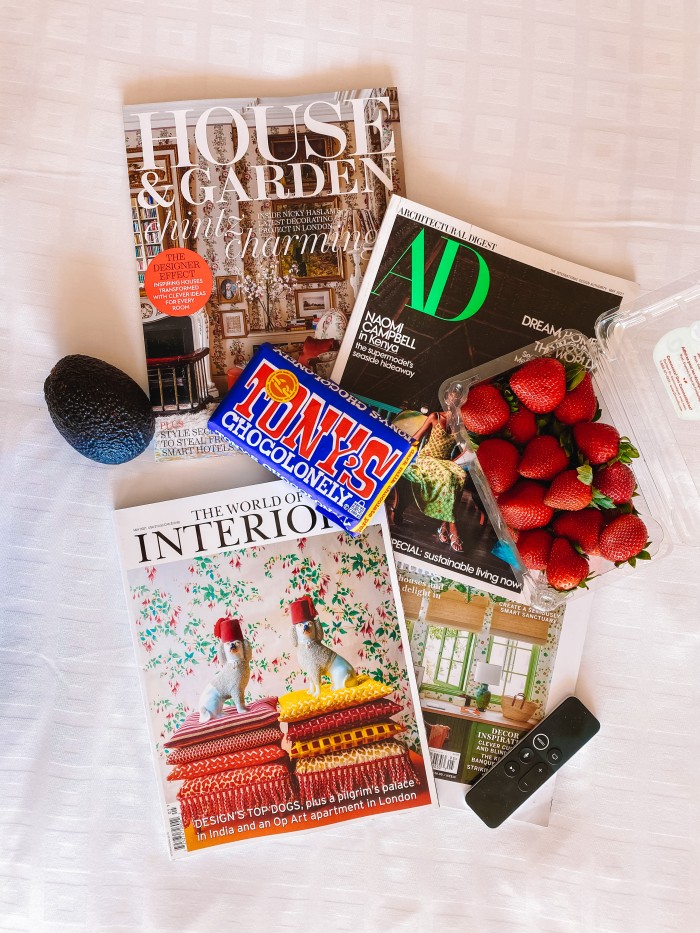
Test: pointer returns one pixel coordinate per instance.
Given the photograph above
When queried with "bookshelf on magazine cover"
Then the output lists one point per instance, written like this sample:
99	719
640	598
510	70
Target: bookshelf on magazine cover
253	220
439	297
274	663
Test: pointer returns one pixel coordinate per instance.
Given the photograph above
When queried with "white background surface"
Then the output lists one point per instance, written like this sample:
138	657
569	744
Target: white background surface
572	126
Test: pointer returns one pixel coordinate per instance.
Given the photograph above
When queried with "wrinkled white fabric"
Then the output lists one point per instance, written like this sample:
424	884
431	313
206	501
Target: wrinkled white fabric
569	126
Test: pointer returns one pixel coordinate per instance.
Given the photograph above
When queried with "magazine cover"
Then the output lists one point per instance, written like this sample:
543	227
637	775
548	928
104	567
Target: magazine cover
253	221
440	297
274	663
488	670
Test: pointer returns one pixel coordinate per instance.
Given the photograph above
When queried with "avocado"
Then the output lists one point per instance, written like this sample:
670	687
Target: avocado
98	409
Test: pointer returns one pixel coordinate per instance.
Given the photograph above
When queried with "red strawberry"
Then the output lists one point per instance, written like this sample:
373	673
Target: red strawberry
485	410
499	461
522	426
522	506
540	384
534	547
543	458
580	404
571	490
582	528
625	539
597	442
616	481
566	568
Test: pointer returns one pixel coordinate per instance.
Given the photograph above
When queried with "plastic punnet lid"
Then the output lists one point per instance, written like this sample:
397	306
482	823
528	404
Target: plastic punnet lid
649	366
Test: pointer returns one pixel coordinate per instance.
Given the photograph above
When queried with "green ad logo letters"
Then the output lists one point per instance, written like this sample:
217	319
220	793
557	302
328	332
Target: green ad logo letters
430	304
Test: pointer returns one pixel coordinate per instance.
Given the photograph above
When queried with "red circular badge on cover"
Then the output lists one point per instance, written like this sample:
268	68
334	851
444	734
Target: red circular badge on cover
178	282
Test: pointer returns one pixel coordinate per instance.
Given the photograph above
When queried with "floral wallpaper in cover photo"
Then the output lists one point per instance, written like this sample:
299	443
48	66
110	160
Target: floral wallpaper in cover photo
175	606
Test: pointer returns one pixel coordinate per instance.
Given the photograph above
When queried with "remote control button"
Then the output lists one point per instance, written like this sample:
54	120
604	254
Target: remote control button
511	768
554	756
534	778
541	741
526	755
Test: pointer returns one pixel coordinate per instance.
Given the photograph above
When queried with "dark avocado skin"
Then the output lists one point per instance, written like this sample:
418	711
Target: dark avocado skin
98	409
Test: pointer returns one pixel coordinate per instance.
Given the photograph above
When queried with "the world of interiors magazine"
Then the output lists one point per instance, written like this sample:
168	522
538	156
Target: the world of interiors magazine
264	211
460	635
241	592
439	297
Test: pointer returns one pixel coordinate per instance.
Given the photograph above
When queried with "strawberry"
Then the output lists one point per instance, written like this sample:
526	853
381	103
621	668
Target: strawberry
625	540
485	410
540	384
580	404
616	481
534	547
597	442
522	506
566	568
571	490
582	528
543	458
521	426
499	461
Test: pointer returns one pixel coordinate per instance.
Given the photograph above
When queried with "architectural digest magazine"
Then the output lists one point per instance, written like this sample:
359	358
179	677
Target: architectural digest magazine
488	670
439	297
253	219
274	663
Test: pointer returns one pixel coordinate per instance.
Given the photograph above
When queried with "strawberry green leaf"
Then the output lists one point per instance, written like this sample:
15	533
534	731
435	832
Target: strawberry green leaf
601	501
644	555
632	561
575	374
597	415
585	474
627	451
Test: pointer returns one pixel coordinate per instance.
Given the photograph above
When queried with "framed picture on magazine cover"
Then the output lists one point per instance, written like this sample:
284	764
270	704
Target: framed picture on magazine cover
234	324
289	149
165	159
305	226
228	289
313	302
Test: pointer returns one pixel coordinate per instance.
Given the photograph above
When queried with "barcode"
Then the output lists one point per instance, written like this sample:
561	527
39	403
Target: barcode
447	762
177	830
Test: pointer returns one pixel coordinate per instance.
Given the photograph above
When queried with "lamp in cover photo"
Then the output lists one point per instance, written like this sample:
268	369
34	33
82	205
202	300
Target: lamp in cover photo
486	675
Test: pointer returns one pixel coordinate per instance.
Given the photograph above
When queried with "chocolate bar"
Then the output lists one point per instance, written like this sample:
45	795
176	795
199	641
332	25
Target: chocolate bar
314	434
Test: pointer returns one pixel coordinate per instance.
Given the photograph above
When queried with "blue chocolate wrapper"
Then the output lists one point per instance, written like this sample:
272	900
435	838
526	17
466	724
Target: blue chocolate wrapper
314	434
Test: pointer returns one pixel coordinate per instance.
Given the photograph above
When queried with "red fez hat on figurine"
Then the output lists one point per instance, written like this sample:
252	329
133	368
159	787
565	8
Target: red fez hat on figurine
228	630
302	610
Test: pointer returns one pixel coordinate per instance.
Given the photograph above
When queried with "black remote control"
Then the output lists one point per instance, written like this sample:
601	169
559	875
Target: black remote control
530	763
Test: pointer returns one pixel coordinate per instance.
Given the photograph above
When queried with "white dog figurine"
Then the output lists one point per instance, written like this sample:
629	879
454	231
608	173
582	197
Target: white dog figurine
234	652
315	658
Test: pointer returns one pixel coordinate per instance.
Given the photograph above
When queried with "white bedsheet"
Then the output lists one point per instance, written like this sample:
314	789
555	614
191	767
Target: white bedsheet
571	126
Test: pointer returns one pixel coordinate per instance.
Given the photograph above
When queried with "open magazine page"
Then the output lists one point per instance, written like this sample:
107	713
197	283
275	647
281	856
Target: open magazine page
488	670
253	220
440	297
273	657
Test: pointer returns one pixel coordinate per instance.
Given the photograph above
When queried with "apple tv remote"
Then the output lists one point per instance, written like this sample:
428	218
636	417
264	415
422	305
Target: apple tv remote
530	763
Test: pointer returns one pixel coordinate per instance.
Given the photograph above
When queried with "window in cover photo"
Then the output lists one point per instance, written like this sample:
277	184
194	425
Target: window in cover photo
449	656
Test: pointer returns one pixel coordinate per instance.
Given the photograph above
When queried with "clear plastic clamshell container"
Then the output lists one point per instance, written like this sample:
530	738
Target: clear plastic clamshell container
645	370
